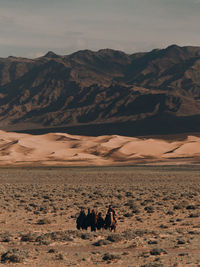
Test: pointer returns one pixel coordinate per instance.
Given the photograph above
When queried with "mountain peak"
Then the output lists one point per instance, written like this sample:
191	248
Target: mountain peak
51	54
174	46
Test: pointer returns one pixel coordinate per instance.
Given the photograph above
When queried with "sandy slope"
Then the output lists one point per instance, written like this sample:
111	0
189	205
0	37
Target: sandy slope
65	149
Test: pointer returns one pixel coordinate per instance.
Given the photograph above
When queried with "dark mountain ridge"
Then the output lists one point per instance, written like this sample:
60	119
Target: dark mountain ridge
103	92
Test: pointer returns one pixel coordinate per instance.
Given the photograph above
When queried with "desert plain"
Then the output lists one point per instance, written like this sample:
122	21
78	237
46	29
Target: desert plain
158	209
155	193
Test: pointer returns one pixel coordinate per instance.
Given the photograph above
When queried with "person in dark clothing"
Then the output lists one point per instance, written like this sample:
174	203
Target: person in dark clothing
110	209
100	221
80	222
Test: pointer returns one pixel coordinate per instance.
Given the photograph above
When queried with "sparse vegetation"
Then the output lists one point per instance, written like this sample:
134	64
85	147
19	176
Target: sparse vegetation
157	209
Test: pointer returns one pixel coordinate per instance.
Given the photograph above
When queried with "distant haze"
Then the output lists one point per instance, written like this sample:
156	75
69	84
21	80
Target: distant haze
31	28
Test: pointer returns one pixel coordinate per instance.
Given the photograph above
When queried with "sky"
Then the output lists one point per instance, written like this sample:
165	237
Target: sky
31	28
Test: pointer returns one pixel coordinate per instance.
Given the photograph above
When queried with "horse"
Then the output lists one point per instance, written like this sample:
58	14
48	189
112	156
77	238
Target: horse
110	222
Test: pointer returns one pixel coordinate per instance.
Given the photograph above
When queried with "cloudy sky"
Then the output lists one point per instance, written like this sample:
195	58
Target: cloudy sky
30	28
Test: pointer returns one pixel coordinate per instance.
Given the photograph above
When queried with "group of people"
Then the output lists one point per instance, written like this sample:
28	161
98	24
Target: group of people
95	221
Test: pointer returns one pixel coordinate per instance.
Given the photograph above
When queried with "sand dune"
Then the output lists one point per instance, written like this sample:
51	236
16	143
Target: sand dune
64	149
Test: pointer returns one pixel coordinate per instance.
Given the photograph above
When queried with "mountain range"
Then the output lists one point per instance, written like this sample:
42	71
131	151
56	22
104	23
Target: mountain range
103	92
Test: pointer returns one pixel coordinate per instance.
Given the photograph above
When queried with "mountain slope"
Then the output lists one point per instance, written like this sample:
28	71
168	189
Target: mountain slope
107	88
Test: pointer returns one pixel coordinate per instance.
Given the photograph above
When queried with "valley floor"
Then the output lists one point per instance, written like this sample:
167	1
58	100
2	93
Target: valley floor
158	209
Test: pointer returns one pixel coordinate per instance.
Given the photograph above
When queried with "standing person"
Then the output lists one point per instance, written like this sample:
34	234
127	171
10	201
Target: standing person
110	209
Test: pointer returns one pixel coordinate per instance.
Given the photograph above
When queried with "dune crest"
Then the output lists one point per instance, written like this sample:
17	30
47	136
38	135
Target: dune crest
69	150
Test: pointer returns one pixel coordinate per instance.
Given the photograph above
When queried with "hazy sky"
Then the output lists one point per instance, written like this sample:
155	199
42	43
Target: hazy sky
30	28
